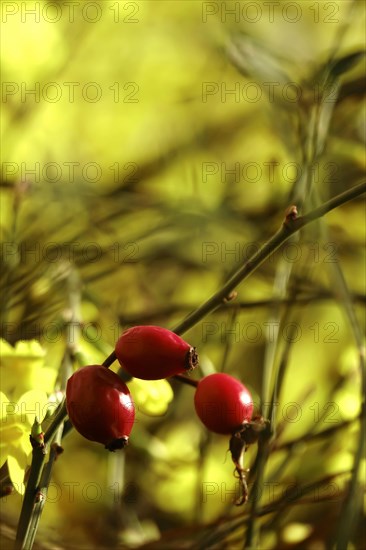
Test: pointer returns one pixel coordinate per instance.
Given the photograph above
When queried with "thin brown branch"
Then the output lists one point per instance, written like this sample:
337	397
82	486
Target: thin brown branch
291	225
310	437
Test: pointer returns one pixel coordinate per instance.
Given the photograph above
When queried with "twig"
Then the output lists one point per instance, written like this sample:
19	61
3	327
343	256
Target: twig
38	458
348	516
352	505
296	493
40	474
310	437
291	225
29	508
217	531
281	284
41	495
301	300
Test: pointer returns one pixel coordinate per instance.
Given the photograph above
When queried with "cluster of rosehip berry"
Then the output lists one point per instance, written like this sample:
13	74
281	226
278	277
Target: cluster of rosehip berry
101	408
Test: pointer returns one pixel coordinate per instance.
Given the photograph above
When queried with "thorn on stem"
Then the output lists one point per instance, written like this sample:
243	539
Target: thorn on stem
231	296
291	214
40	497
57	449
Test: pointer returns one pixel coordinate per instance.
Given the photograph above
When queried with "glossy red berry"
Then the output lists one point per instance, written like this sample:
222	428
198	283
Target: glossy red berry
223	403
100	406
152	353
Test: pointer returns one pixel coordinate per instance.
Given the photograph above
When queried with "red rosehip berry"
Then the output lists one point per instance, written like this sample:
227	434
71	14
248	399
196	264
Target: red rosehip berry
152	353
100	406
223	403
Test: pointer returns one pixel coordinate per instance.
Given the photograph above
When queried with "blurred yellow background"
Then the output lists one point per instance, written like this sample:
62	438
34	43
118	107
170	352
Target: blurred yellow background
148	148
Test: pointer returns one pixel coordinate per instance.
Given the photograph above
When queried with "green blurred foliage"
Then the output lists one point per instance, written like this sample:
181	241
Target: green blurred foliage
153	194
